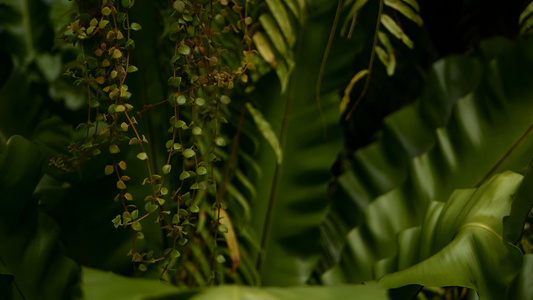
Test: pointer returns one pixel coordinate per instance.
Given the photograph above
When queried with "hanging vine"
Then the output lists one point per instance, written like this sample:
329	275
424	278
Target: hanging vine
183	195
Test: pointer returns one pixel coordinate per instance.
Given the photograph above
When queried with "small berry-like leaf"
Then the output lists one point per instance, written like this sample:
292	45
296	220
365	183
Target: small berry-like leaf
223	228
136	26
201	170
219	19
184	175
184	50
220	142
134	141
136	226
188	153
194	208
197	130
175	254
130	44
121	185
126	3
117	221
200	101
100	80
113	149
109	169
225	99
106	11
166	169
117	54
164	191
103	24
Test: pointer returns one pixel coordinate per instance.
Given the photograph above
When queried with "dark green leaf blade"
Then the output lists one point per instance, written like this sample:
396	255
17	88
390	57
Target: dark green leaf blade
30	246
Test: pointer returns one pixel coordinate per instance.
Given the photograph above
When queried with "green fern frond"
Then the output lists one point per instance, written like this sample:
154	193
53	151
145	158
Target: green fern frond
526	19
277	38
408	8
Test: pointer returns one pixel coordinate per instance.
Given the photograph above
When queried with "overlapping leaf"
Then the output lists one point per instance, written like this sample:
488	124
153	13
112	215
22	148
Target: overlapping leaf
30	248
291	200
386	54
105	285
280	25
454	241
383	165
526	20
488	132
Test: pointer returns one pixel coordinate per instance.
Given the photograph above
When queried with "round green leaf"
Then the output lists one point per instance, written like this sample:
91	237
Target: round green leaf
200	101
219	19
113	149
121	185
188	153
220	141
108	169
136	226
201	170
184	50
181	100
225	99
166	169
132	69
197	130
106	11
175	254
136	26
184	175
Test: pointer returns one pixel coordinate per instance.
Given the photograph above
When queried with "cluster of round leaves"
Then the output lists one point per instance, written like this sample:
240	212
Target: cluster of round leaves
198	93
102	71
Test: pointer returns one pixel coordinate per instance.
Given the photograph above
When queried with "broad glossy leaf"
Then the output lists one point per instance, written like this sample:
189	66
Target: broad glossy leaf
341	292
106	285
523	201
296	191
522	288
97	285
461	243
488	132
409	132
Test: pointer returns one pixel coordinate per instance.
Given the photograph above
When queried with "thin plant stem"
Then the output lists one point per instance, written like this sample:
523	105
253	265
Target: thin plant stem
370	64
